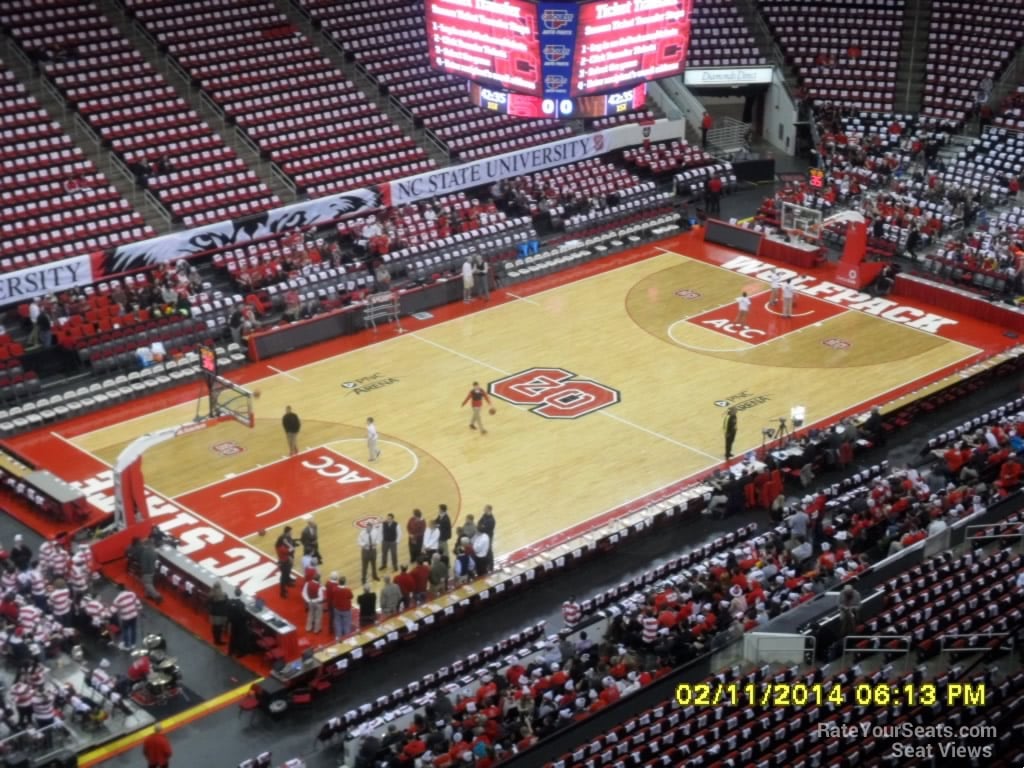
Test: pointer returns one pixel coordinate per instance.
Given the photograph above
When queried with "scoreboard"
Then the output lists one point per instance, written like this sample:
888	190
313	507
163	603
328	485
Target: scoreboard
521	105
628	42
492	41
558	49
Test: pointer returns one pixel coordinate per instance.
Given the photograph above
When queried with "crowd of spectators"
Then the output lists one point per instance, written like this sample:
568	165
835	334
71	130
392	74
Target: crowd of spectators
49	605
165	290
989	457
821	540
889	169
554	196
513	708
995	248
279	258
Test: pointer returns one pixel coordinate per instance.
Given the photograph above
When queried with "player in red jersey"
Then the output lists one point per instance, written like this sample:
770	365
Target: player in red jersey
477	395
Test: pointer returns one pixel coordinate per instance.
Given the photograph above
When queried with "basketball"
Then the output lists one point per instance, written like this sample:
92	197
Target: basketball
492	411
256	393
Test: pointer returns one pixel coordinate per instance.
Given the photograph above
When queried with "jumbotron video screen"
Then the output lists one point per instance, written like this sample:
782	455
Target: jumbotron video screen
491	42
559	53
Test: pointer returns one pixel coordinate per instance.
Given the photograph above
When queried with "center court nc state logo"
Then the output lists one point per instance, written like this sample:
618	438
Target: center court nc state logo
554	393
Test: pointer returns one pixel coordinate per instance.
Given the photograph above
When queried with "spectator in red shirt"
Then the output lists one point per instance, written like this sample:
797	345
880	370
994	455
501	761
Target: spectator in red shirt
416	527
339	597
705	126
405	582
714	203
157	749
420	579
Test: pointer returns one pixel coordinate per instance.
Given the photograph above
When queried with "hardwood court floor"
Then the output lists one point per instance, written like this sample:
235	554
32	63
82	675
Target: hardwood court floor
641	355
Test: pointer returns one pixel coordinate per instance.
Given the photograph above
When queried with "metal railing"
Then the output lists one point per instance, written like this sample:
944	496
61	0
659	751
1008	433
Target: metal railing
244	138
1000	532
659	96
14	48
766	40
1009	80
879	644
86	129
284	178
914	36
182	74
761	32
140	28
34	743
383	307
51	87
981	638
119	164
730	135
160	208
206	99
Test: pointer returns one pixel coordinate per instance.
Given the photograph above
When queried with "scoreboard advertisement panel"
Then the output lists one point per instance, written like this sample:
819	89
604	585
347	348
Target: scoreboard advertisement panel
619	43
530	107
557	34
491	41
558	49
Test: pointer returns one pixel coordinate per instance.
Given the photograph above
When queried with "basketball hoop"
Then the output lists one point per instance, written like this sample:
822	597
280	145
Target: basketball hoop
230	400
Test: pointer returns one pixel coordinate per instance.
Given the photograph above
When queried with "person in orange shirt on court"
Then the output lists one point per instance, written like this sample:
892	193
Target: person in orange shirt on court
477	395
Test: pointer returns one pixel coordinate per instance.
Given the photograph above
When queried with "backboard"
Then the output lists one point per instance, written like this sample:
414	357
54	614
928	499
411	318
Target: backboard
230	399
801	221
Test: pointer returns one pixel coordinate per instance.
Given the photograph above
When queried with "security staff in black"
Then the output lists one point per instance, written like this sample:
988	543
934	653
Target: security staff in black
389	533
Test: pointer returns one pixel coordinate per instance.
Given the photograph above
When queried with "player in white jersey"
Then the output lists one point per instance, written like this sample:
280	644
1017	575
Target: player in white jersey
743	307
371	439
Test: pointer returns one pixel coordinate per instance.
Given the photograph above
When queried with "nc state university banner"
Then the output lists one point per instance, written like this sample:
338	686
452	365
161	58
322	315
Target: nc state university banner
491	169
56	276
84	270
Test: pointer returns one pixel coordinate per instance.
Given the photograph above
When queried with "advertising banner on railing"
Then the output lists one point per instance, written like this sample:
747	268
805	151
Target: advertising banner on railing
57	276
478	173
25	284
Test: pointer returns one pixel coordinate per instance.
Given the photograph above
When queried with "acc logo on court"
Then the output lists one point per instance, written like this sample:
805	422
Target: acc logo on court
554	393
227	448
363	522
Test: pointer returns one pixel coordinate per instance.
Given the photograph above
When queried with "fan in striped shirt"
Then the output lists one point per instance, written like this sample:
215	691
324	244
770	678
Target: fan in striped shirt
127	607
60	602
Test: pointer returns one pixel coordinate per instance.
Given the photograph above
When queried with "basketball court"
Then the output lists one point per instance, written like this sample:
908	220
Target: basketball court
607	388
